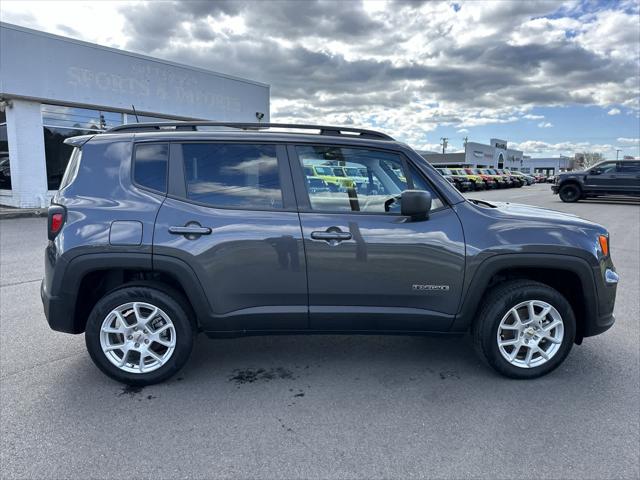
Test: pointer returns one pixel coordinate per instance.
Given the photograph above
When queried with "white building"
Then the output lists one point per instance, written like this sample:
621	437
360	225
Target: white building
498	155
53	87
480	155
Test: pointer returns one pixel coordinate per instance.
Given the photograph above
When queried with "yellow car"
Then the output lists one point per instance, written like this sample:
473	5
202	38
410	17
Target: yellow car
334	176
478	181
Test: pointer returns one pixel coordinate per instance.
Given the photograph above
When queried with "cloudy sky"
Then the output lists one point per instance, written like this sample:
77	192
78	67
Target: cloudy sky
550	77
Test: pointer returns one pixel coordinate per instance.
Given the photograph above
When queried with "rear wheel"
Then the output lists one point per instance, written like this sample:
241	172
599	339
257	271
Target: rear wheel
139	335
525	329
570	193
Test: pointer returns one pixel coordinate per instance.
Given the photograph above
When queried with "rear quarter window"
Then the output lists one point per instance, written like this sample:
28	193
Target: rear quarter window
150	166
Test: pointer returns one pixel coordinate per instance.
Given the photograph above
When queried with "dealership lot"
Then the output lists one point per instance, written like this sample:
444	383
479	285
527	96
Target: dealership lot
323	406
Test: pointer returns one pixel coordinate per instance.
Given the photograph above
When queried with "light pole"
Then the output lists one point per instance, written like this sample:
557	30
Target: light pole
445	142
618	150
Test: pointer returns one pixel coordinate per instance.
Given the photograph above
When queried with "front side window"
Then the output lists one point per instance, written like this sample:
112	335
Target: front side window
607	167
232	175
150	166
358	179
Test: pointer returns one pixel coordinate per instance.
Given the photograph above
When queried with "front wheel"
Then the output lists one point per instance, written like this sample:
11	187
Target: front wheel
525	329
139	335
569	193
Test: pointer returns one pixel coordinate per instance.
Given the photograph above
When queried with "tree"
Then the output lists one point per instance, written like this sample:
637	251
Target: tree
585	160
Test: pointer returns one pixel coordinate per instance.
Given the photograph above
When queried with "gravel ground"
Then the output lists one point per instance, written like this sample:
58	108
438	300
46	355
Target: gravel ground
319	406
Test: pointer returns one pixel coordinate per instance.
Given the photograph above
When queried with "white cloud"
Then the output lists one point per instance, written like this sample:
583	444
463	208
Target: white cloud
403	67
614	111
537	147
628	141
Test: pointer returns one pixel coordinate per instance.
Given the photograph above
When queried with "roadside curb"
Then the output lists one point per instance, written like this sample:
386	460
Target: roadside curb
7	213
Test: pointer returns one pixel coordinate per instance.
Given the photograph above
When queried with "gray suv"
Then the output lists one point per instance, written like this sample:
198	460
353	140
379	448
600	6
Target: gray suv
160	231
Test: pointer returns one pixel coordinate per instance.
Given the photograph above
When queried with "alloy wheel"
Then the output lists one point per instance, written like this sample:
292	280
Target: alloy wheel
530	334
138	337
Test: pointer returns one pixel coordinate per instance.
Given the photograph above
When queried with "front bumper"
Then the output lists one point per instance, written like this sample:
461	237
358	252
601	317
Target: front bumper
555	188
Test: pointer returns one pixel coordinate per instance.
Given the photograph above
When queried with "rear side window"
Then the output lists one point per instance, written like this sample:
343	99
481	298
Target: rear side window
150	166
629	167
232	175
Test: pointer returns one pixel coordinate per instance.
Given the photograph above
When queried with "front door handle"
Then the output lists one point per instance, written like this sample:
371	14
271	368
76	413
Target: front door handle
190	229
332	235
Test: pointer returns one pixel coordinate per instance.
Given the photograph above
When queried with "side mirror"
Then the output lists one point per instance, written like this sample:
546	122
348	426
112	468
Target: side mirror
595	171
415	204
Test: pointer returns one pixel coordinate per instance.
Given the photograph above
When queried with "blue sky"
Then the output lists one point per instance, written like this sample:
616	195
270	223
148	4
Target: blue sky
550	77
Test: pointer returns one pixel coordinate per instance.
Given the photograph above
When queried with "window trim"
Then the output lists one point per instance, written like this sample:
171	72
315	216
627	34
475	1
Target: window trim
179	192
133	167
304	202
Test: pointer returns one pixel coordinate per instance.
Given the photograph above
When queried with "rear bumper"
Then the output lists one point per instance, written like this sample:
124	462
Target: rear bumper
58	311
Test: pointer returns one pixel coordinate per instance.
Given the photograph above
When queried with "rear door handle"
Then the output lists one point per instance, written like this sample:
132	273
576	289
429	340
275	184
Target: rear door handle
331	235
190	230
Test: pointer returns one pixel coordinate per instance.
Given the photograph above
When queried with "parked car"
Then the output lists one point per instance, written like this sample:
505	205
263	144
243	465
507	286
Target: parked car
478	181
333	176
526	179
515	181
604	179
361	179
222	234
317	185
492	180
462	183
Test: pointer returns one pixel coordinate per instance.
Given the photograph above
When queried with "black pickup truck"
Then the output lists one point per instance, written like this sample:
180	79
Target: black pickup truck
607	178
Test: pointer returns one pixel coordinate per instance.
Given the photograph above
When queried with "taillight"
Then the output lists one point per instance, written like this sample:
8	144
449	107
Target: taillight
57	216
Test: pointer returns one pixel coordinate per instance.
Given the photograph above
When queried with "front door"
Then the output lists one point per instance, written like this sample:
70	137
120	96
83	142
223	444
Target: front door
602	177
231	217
370	268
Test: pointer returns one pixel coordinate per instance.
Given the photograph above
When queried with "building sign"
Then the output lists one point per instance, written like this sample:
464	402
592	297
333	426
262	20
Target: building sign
54	69
497	143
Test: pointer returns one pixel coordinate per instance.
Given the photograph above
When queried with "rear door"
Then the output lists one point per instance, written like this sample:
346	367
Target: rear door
370	268
629	176
231	216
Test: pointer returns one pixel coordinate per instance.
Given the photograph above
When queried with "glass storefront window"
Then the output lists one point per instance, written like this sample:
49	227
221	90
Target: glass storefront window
73	117
60	122
5	170
57	153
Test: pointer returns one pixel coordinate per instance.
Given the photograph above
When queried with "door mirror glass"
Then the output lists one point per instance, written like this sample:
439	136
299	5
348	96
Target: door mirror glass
415	204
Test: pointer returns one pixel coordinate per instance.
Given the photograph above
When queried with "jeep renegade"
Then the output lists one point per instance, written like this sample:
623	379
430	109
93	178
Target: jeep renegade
160	231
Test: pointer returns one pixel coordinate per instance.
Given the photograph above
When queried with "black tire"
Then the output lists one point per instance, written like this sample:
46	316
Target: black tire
170	302
570	193
505	296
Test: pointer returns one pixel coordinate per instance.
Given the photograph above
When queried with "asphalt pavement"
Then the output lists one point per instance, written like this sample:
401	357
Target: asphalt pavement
320	406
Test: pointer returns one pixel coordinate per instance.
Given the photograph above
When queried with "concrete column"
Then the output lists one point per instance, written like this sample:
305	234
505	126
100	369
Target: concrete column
26	150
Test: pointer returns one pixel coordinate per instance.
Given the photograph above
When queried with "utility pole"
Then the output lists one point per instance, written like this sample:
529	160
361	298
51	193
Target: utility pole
618	150
465	140
445	142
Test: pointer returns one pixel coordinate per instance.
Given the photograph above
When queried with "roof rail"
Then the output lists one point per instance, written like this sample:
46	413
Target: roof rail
193	126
